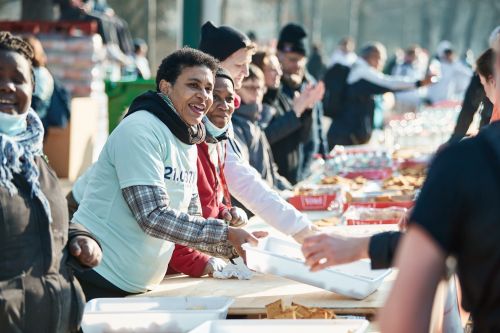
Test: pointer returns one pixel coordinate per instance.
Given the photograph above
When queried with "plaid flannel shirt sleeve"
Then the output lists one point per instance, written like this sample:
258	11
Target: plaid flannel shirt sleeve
150	206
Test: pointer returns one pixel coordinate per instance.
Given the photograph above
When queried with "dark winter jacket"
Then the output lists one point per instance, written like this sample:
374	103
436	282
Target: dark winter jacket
294	141
38	292
255	147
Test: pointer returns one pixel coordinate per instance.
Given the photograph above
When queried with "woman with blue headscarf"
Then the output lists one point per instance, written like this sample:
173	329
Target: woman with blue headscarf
38	246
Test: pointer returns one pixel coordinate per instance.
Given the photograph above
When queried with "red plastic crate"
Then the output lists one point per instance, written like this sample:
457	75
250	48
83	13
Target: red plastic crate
376	174
371	222
402	204
36	27
312	202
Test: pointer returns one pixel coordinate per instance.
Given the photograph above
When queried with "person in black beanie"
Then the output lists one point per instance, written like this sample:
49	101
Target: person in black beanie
295	132
234	51
230	46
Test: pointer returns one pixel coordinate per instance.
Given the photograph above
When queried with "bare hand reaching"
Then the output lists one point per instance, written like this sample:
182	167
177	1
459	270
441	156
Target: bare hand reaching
237	237
325	250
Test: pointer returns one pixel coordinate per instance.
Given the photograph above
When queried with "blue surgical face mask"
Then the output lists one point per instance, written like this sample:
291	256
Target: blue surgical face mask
213	130
12	125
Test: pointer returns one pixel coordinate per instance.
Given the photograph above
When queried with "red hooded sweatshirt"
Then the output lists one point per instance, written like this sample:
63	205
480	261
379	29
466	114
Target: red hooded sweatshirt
184	259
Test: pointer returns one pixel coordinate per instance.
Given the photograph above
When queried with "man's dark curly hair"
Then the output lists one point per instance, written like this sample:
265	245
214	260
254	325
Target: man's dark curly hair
8	42
172	66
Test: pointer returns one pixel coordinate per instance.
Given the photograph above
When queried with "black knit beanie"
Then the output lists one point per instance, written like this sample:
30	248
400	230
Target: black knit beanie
221	42
222	73
292	39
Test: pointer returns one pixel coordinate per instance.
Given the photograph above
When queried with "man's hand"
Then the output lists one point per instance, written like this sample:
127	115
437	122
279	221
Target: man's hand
429	79
324	250
85	250
301	101
317	93
237	237
236	217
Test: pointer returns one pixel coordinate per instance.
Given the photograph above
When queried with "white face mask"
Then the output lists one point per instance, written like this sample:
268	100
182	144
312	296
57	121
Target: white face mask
13	125
213	130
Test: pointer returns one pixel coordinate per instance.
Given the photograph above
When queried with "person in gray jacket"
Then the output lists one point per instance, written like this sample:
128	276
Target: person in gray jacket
252	139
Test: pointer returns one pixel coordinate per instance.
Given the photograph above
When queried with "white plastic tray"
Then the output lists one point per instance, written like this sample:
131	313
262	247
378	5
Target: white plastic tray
283	258
284	325
152	314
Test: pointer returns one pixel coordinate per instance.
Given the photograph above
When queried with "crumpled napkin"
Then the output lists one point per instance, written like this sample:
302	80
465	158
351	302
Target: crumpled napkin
236	268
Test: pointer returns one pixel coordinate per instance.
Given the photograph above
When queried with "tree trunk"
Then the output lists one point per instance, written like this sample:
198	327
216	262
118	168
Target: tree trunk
316	21
362	21
449	19
471	23
355	18
40	10
279	16
224	11
426	24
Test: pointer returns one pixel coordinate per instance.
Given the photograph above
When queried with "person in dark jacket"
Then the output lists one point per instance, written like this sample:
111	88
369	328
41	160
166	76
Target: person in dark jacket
295	132
253	142
315	64
474	101
353	124
38	247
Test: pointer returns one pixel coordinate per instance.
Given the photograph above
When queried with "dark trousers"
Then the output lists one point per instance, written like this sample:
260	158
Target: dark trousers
95	286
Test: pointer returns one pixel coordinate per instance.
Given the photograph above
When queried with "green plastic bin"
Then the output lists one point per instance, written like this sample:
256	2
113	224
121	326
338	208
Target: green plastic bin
121	94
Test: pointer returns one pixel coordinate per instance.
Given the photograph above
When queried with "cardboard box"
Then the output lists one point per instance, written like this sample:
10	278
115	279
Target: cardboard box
70	149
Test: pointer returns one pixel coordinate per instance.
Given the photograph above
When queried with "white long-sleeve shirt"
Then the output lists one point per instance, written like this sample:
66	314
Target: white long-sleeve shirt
247	186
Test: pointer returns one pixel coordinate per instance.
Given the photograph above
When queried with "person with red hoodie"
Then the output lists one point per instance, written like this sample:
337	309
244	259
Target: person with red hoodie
212	188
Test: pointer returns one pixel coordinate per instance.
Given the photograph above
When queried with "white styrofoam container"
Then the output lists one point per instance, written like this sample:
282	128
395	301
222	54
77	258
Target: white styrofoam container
152	314
283	325
280	257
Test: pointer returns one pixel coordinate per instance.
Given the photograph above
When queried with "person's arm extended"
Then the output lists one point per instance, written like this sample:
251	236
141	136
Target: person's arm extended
150	206
421	264
371	82
247	186
382	248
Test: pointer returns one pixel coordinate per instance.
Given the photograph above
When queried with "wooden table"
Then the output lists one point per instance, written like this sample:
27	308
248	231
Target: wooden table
251	296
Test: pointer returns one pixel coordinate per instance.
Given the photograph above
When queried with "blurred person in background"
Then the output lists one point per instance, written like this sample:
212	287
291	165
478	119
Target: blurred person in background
234	50
269	64
253	142
344	53
454	76
408	101
353	124
295	132
44	82
315	65
475	100
394	61
113	30
495	43
141	61
39	248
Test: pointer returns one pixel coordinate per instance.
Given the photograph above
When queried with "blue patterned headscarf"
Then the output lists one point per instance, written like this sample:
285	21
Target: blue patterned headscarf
17	156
